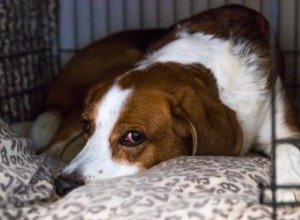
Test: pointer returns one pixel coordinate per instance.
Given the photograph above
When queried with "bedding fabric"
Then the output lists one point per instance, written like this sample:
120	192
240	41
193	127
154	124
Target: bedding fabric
195	187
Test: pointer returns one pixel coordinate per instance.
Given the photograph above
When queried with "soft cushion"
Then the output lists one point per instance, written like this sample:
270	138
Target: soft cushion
198	187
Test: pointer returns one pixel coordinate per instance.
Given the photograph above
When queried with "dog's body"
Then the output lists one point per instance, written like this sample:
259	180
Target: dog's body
204	88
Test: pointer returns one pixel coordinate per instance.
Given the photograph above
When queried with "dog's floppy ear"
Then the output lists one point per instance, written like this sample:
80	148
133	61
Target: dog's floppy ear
213	127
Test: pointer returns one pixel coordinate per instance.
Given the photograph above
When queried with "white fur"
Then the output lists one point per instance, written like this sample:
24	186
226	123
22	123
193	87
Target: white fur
287	155
95	162
43	130
281	129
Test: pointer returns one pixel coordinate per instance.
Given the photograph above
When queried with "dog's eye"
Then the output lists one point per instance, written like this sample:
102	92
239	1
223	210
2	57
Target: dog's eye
132	138
86	125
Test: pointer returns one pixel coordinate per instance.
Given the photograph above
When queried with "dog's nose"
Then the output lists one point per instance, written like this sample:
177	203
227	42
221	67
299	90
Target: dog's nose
63	185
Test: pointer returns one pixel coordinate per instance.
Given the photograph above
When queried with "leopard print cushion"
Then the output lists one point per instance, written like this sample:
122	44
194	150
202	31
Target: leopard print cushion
182	188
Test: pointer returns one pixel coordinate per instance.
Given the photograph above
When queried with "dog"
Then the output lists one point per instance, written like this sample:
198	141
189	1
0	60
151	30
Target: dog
204	88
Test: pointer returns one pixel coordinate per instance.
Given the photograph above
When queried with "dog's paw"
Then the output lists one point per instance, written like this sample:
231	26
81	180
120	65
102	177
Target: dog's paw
283	195
43	130
288	173
290	194
287	196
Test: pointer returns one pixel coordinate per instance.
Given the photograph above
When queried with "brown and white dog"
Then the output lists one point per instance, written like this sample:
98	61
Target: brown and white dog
203	89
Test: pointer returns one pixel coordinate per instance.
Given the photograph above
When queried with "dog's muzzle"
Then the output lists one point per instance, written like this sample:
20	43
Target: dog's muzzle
63	185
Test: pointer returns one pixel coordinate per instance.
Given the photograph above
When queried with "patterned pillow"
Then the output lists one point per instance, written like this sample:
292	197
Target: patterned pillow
182	188
26	179
27	63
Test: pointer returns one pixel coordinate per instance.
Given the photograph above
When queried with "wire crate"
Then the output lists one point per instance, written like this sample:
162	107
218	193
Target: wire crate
42	31
28	31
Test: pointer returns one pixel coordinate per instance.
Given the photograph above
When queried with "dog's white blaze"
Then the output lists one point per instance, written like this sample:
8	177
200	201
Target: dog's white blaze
95	160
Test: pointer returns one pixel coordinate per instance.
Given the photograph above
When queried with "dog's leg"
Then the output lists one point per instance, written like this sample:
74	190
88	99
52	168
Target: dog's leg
68	140
67	148
287	154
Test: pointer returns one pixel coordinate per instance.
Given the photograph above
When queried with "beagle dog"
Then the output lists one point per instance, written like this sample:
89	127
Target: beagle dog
204	88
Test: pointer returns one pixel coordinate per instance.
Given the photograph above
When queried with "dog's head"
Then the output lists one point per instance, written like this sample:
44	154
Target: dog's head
149	116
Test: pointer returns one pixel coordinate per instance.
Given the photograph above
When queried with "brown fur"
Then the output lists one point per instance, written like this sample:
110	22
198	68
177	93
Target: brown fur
175	101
